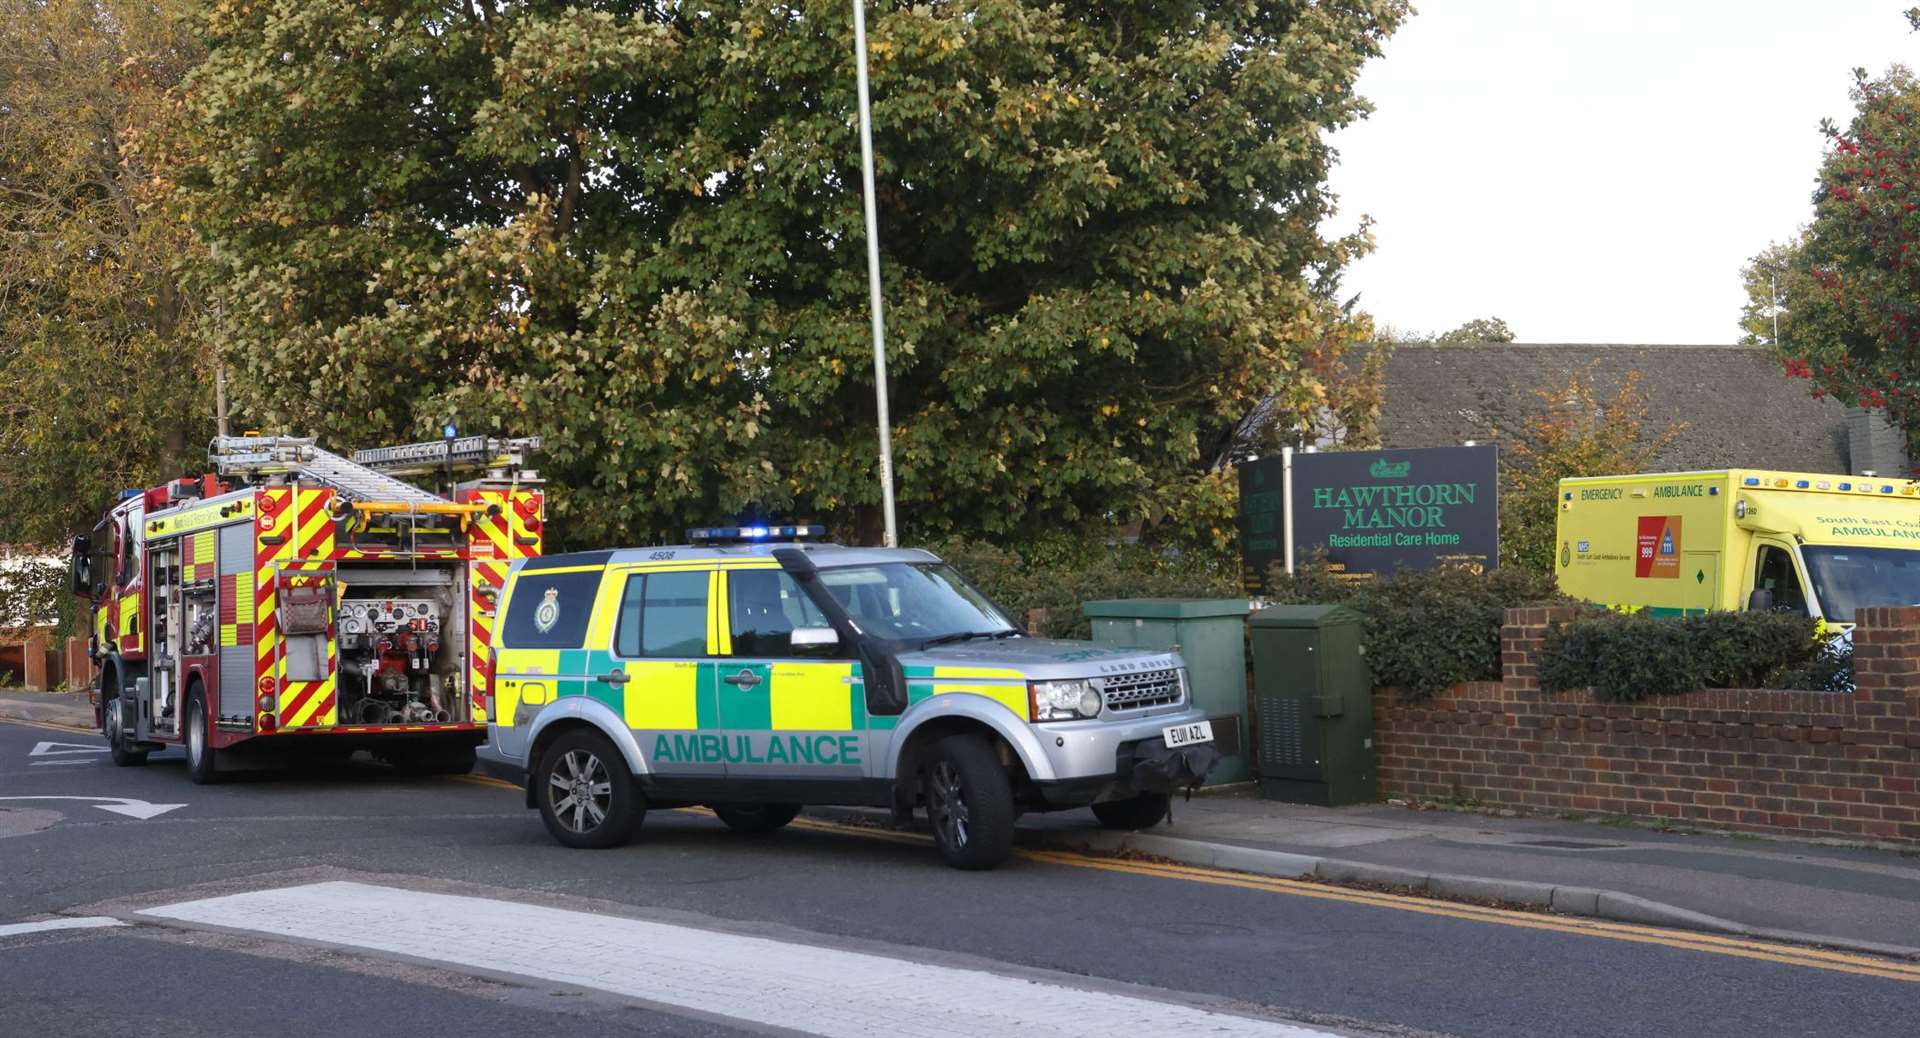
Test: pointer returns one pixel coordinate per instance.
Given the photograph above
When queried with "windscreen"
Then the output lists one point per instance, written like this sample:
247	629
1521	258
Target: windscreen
903	601
1848	579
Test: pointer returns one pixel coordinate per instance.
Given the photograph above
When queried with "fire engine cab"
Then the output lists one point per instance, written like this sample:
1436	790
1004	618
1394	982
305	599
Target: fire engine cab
296	603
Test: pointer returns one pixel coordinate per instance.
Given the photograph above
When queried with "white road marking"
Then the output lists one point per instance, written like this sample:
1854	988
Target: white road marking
128	806
822	991
85	922
58	749
48	763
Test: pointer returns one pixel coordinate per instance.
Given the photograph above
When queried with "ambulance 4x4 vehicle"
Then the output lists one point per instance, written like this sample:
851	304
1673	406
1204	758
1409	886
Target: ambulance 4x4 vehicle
756	674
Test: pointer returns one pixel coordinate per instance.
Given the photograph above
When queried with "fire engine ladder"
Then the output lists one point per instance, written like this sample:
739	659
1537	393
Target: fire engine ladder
297	457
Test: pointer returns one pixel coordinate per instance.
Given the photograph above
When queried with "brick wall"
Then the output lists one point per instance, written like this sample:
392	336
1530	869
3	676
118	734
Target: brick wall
1798	763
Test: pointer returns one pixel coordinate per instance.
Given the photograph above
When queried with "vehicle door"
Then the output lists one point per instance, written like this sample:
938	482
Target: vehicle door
1775	572
787	711
663	641
540	641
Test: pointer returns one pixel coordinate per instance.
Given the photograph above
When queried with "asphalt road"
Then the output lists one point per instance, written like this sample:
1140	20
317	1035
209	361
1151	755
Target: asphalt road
1330	961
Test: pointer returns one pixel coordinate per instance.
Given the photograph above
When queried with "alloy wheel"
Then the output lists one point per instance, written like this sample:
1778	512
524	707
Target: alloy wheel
949	805
581	791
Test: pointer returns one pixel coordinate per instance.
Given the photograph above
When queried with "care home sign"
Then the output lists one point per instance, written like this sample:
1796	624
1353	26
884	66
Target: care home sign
1371	512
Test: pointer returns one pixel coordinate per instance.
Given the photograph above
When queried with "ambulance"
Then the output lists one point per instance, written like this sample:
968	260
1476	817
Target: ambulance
1679	543
754	671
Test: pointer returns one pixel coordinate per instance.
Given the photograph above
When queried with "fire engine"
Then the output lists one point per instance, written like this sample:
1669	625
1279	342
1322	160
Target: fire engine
293	603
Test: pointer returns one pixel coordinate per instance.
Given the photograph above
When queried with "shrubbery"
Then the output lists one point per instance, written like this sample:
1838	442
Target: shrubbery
1633	656
1424	630
1059	583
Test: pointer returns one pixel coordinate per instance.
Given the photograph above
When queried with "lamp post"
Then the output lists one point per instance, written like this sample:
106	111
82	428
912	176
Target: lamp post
873	274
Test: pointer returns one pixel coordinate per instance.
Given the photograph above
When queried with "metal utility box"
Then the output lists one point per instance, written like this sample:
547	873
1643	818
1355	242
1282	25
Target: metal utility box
1315	706
1210	634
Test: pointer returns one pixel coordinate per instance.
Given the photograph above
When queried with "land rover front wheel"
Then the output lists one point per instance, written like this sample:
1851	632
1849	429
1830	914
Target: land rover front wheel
969	802
586	795
1138	813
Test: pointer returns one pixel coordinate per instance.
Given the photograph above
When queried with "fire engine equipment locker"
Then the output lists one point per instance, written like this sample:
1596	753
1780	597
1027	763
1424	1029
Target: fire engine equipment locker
1315	702
1210	634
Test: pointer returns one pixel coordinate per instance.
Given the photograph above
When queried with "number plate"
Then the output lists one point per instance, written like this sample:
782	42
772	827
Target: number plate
1188	734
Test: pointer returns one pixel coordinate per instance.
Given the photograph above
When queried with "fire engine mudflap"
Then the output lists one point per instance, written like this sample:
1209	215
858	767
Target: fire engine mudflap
296	605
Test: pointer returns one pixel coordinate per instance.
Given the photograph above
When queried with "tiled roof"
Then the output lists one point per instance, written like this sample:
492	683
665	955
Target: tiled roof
1739	408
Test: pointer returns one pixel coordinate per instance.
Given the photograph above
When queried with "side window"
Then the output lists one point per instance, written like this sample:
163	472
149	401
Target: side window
1774	572
626	629
765	606
549	610
123	533
673	614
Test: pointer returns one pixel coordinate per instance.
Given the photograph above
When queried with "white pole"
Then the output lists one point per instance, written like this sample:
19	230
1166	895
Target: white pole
1286	505
873	274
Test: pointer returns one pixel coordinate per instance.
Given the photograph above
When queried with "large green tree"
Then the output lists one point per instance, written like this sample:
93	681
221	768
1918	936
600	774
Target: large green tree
635	228
1846	293
104	381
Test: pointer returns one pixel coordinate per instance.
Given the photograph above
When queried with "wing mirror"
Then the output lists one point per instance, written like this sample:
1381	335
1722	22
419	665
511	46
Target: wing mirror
813	637
82	566
1760	601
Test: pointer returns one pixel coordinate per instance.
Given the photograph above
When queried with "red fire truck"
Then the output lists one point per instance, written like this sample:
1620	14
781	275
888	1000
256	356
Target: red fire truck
296	603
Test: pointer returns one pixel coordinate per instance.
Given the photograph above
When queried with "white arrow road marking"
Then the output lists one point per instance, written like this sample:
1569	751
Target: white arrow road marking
49	763
85	922
800	987
58	749
118	805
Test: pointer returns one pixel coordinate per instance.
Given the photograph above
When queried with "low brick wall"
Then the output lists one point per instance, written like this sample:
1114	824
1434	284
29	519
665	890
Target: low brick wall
1797	763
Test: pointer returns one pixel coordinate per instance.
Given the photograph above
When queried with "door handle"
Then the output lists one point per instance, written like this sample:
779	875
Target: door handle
745	681
617	677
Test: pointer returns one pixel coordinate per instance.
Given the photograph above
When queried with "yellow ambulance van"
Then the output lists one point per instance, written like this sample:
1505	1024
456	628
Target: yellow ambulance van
1686	542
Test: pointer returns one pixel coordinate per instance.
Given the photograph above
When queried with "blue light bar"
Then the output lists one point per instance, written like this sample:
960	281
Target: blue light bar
1802	484
1846	486
130	492
1752	481
1888	489
751	534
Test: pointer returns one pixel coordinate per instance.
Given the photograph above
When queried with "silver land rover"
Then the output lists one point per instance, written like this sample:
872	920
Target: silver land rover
755	672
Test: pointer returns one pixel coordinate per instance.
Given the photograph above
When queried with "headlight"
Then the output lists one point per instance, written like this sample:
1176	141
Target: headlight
1063	700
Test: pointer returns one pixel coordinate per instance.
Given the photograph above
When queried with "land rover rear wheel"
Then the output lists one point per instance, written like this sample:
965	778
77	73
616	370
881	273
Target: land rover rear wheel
587	797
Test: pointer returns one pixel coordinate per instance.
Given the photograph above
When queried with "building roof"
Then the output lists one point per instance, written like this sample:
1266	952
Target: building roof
1740	409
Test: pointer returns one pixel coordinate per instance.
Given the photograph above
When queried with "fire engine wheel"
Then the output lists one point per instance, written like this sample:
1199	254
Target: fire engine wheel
756	818
969	802
203	766
119	747
587	797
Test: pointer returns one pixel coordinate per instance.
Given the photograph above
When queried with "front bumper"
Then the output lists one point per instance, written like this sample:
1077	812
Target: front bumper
1107	760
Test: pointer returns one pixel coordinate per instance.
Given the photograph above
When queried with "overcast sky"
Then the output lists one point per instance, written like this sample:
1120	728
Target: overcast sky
1596	172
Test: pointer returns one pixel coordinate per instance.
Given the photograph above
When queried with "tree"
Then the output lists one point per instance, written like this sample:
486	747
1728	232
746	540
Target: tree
1480	329
635	228
1849	289
1577	433
103	380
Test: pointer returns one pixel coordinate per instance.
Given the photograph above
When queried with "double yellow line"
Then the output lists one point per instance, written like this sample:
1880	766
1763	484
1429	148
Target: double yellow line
1685	940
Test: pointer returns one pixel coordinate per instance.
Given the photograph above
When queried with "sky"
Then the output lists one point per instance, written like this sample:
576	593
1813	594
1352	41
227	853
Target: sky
1596	172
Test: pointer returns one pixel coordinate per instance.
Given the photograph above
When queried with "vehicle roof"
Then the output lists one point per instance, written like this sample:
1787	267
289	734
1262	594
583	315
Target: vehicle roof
826	556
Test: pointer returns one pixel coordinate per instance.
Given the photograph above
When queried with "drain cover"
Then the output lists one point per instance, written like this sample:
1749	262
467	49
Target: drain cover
1571	845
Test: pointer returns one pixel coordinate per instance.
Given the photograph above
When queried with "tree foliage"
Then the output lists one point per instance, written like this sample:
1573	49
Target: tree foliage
104	377
1480	329
1847	292
635	228
1577	432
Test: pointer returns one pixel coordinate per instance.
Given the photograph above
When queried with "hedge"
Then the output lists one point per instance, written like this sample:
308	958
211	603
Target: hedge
1631	656
1058	585
1424	630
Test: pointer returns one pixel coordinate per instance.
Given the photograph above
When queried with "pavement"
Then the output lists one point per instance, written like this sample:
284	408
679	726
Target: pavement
354	900
1857	898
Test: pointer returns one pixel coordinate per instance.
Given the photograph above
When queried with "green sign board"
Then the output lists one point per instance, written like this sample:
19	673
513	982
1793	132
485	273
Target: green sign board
1372	512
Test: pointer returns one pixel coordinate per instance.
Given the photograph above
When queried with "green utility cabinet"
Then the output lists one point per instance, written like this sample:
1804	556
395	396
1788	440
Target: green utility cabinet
1210	634
1314	699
